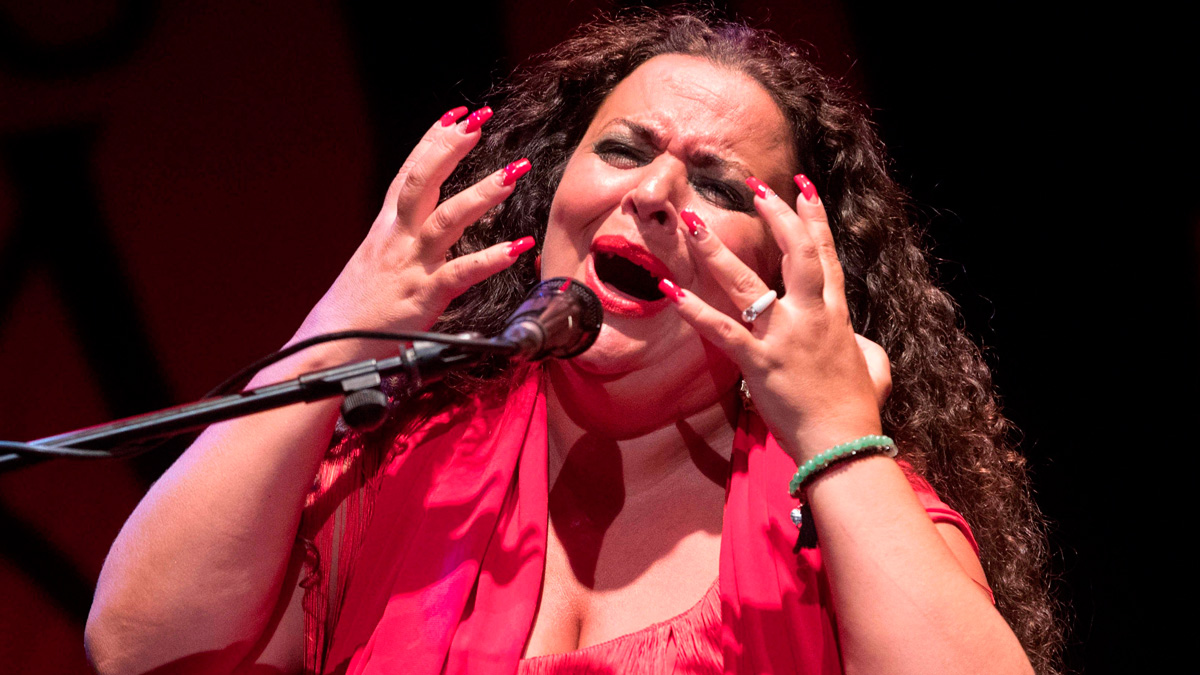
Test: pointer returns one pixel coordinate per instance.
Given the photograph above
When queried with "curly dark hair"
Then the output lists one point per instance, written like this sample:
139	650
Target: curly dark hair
942	412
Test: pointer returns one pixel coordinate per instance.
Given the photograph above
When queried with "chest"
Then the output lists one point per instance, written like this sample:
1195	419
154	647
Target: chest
649	564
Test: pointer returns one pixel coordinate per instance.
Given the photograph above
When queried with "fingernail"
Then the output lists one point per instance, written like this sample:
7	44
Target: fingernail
760	188
452	116
670	290
515	170
695	225
519	246
807	188
477	119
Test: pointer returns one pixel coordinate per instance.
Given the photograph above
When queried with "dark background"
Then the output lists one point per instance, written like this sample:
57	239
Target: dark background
180	181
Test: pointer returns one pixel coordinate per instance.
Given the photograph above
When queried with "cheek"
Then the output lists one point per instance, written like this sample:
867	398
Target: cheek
586	195
757	252
763	256
584	191
560	255
566	243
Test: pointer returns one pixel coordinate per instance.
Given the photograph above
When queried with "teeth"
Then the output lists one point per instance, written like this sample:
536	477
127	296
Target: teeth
627	276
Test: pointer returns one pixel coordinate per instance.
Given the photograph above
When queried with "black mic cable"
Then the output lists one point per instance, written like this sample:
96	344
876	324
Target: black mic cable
560	318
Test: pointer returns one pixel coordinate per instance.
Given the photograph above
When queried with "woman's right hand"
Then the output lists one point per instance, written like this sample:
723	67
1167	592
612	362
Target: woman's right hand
399	278
223	519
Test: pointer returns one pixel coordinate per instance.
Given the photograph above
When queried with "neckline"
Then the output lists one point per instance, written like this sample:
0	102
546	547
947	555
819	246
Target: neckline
712	590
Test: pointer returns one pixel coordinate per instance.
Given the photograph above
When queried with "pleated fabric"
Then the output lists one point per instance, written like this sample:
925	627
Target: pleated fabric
445	575
689	644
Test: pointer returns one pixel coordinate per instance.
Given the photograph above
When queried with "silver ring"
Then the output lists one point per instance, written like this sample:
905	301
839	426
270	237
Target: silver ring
759	306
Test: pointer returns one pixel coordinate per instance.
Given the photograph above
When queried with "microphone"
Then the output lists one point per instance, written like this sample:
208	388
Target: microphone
560	318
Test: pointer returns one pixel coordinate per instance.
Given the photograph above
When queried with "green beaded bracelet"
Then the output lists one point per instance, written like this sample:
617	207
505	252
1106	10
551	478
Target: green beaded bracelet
867	444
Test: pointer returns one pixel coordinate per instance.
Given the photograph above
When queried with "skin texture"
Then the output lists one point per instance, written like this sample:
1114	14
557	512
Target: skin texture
648	549
640	427
224	517
648	155
623	181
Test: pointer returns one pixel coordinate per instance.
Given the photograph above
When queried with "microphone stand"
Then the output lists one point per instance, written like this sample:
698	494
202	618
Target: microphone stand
420	363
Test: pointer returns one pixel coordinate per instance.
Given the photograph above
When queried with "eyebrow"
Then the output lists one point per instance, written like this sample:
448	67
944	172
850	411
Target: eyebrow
702	159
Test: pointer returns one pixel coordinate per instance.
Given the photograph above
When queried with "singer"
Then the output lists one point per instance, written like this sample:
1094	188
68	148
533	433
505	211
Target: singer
713	487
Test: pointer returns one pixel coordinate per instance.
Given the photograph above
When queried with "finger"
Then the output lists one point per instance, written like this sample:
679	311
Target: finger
419	192
454	215
741	283
461	273
388	213
712	324
879	367
816	220
802	270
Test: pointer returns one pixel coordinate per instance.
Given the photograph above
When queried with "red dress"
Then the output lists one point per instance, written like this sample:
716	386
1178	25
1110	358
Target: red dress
439	569
687	643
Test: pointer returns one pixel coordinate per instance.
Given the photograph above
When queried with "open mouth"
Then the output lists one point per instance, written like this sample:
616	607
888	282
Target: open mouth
625	276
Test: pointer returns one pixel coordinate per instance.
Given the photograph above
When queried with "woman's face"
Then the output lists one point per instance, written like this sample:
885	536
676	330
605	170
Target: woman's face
679	132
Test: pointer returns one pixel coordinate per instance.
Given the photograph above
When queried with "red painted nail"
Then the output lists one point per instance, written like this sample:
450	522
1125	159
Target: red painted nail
806	188
452	116
695	225
477	119
760	188
519	246
670	290
515	170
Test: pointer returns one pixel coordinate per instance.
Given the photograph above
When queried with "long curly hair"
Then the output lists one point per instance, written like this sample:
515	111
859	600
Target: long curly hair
942	411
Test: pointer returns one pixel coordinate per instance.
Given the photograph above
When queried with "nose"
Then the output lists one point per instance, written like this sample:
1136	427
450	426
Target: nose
653	199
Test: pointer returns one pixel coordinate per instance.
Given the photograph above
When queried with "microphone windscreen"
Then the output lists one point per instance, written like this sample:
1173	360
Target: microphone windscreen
560	317
590	317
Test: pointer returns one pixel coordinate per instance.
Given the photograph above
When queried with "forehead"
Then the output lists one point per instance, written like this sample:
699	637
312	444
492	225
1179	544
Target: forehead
705	106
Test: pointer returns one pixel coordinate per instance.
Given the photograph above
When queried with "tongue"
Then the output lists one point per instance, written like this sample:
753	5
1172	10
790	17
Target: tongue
627	277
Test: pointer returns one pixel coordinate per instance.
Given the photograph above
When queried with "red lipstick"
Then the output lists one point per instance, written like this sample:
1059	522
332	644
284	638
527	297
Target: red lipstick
613	300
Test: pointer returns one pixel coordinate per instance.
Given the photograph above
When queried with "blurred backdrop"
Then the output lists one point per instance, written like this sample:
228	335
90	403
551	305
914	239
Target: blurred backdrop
180	181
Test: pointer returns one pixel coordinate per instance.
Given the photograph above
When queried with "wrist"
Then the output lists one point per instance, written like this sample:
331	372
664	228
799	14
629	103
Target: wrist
832	459
842	453
807	443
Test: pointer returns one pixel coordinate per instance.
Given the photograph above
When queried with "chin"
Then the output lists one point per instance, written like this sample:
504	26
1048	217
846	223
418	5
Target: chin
613	353
607	398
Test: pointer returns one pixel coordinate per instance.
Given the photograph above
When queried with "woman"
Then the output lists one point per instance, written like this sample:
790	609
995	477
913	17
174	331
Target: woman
624	510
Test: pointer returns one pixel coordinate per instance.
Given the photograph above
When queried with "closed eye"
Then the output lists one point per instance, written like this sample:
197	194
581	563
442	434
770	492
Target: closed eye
619	154
623	155
723	194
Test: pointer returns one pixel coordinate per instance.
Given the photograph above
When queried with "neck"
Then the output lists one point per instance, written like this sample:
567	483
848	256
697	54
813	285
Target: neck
631	472
630	445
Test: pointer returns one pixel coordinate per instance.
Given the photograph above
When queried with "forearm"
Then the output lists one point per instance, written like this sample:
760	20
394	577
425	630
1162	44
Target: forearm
199	565
905	602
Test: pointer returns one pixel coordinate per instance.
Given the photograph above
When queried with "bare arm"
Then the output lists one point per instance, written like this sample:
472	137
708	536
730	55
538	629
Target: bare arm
907	593
203	569
193	576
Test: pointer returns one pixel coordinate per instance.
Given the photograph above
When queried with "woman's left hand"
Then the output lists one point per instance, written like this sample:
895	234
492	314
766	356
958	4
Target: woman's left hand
815	382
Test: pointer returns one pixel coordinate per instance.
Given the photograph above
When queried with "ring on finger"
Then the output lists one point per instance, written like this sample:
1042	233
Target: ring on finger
759	306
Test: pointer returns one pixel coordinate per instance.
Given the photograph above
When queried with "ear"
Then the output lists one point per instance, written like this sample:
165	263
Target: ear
537	265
